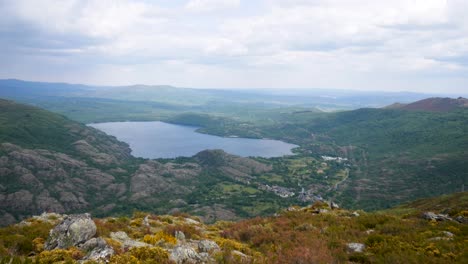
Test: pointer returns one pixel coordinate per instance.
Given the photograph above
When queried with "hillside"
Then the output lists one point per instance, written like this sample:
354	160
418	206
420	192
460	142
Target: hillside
394	155
312	234
435	104
50	163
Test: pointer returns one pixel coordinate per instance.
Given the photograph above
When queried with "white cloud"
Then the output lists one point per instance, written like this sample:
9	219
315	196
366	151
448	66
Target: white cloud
362	44
211	5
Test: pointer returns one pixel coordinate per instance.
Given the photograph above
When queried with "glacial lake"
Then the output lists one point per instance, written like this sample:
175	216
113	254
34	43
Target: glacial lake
162	140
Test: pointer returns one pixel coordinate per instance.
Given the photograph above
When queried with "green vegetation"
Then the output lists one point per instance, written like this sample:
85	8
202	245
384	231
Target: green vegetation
394	155
296	235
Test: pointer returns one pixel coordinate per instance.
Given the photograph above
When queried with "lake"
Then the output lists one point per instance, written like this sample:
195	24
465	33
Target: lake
162	140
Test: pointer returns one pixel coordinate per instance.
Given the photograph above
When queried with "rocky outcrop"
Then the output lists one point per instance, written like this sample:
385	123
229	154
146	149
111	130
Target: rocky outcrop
238	168
184	254
154	177
97	249
83	147
126	241
436	217
47	181
207	246
355	247
74	230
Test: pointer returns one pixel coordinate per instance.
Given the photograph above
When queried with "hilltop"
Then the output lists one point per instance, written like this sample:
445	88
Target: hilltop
311	234
435	104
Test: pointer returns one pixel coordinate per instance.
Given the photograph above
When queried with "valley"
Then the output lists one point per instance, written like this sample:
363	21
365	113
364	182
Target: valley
364	159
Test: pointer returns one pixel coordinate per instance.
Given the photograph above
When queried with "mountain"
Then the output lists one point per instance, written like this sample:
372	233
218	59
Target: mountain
51	163
426	231
364	159
435	104
52	95
393	155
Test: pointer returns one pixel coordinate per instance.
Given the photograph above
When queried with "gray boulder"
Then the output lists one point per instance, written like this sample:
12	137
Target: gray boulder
97	249
184	254
180	236
355	247
74	230
207	246
126	241
436	217
461	219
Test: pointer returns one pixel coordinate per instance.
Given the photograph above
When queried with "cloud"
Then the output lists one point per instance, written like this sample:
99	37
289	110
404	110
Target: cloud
358	44
211	5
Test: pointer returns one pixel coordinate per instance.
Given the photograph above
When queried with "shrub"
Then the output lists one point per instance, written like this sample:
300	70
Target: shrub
142	255
160	238
59	255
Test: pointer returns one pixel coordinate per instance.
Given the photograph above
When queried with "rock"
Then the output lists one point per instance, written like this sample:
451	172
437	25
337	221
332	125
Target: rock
191	221
355	247
146	221
448	234
184	254
461	219
436	217
334	205
370	231
207	246
241	257
355	214
127	242
180	236
74	230
206	258
49	217
98	249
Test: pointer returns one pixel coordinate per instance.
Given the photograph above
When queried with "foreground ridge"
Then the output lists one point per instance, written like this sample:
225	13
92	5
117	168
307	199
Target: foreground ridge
318	233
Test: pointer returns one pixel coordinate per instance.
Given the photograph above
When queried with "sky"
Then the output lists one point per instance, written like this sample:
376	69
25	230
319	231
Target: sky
398	45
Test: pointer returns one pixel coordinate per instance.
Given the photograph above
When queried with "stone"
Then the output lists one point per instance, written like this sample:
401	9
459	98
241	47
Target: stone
97	249
461	219
180	236
207	246
436	217
241	257
448	234
74	230
191	221
126	241
334	205
355	214
184	254
355	247
146	221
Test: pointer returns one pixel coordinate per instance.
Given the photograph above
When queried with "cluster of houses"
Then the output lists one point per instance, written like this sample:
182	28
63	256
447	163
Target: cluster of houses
282	192
309	196
339	159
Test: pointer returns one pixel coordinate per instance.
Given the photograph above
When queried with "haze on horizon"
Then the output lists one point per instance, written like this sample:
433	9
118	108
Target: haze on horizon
418	46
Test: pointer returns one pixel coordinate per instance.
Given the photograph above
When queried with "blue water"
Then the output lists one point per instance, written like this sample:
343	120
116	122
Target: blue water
162	140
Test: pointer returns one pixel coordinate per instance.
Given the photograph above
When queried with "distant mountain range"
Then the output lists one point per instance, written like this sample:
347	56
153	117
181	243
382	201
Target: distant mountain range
327	99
